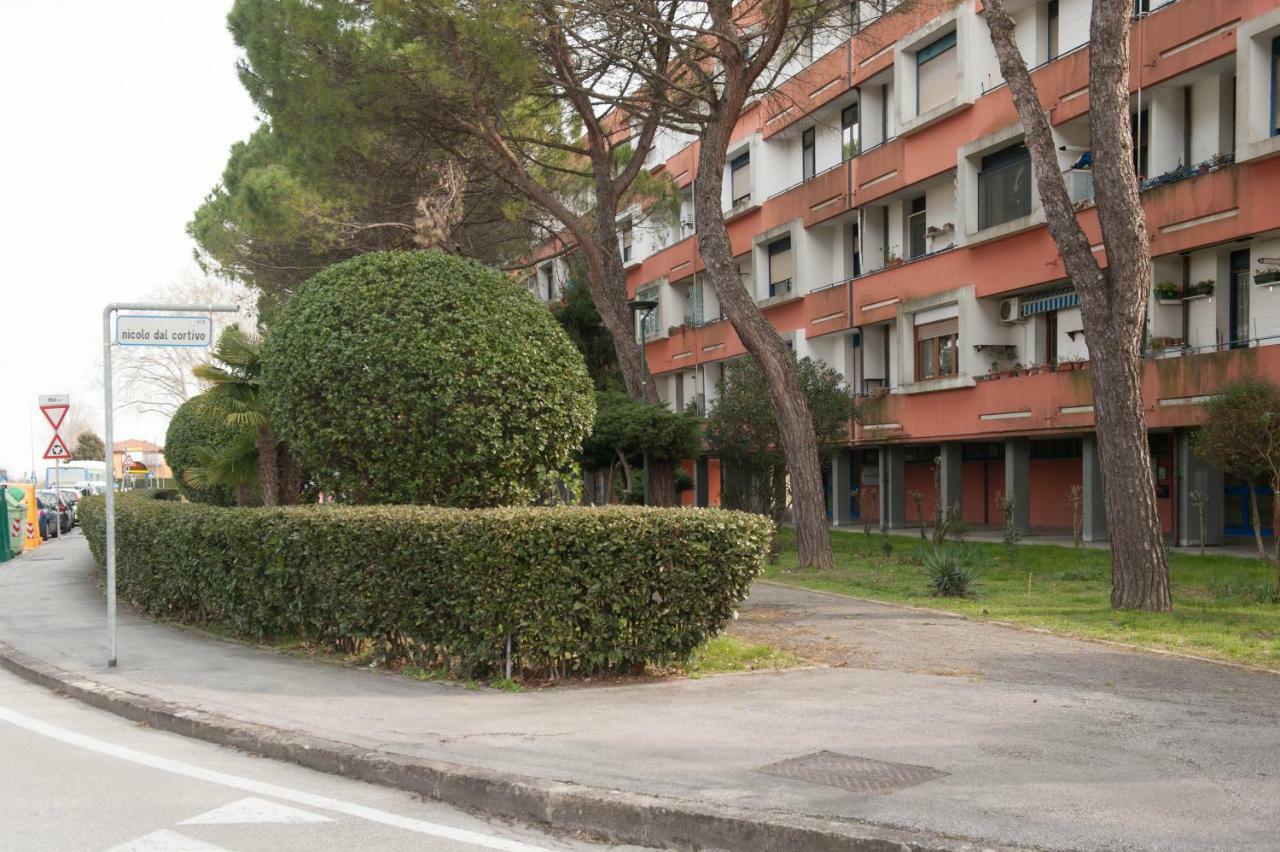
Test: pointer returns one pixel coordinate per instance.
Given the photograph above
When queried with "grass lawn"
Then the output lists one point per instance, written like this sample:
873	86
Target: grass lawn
1221	606
726	653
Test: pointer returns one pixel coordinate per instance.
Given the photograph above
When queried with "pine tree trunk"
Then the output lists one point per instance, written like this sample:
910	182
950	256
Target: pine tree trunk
1112	300
268	468
1139	568
777	366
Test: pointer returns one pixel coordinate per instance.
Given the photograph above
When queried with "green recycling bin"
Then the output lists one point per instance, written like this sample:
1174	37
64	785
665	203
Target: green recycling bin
15	516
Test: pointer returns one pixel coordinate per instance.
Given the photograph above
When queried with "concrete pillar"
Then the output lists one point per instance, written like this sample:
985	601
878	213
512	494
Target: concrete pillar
1195	474
893	488
1094	511
841	485
1017	480
949	473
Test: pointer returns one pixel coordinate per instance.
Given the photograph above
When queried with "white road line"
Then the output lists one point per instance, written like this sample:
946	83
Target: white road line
255	810
166	841
261	788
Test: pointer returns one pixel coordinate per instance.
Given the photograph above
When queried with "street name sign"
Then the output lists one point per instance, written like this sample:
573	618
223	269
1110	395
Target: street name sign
179	325
150	330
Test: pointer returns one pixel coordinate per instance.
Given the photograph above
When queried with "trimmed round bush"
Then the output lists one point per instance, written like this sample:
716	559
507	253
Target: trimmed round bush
194	425
578	589
420	377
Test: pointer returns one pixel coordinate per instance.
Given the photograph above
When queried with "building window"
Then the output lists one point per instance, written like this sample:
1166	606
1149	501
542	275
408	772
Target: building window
740	178
649	319
937	349
780	267
1057	448
808	154
849	142
1051	337
855	241
693	310
546	282
916	228
1140	126
1004	186
936	73
1051	30
1275	87
627	239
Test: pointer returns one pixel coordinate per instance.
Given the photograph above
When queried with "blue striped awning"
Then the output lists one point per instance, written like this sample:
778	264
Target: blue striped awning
1054	300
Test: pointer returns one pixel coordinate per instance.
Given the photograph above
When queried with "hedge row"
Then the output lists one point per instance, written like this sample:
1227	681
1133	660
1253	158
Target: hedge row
577	589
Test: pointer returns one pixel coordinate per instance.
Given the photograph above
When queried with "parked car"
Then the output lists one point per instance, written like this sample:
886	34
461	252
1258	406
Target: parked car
72	498
60	506
48	516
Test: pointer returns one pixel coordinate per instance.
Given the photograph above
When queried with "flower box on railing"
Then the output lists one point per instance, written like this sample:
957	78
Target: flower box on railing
1267	276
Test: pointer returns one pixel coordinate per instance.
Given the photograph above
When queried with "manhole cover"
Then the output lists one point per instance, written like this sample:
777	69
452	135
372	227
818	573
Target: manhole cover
856	774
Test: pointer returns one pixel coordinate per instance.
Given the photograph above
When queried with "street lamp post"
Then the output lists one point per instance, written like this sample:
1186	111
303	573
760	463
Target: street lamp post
642	308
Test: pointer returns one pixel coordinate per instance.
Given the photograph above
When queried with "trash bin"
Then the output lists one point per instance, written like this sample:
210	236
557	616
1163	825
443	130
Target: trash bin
6	546
16	510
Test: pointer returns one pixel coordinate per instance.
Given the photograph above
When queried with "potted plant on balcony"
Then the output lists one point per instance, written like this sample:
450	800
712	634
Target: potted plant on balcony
1167	293
1159	345
1199	290
1267	275
891	256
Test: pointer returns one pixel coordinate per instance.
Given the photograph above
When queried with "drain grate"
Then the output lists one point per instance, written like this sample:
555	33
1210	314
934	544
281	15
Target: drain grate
856	774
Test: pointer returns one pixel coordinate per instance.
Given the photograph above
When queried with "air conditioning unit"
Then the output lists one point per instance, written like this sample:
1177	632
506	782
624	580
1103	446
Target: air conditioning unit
1011	310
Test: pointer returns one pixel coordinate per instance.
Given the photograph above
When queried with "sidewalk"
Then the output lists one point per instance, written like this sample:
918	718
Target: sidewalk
1044	742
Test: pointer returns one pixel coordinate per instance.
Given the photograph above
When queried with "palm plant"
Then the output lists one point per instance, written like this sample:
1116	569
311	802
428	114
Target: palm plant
234	387
233	466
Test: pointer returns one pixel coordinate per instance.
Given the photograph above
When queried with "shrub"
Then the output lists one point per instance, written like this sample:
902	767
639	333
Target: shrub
577	588
195	427
948	576
419	377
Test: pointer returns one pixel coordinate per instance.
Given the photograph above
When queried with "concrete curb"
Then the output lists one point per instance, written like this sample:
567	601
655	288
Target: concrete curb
564	806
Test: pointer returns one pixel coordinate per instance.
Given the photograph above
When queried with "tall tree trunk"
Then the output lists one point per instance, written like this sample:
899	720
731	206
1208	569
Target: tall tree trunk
1112	300
268	467
621	324
777	366
662	483
245	495
1255	517
289	475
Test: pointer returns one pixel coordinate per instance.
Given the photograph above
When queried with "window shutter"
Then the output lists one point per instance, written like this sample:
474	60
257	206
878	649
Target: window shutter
936	74
942	328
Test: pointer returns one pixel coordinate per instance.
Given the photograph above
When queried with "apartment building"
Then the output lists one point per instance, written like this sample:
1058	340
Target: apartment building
883	211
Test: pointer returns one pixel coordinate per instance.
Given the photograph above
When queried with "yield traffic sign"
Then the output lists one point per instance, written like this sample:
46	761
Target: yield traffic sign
54	408
57	449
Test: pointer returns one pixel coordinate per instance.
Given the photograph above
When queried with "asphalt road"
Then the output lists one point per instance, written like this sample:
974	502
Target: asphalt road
75	778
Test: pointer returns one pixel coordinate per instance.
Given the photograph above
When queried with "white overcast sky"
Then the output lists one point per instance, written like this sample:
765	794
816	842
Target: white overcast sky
115	121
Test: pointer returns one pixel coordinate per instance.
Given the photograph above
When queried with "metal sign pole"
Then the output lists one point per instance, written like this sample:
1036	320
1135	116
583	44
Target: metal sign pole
110	448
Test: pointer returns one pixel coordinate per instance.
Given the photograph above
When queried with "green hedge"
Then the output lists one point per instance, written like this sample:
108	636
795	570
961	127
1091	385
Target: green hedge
578	589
